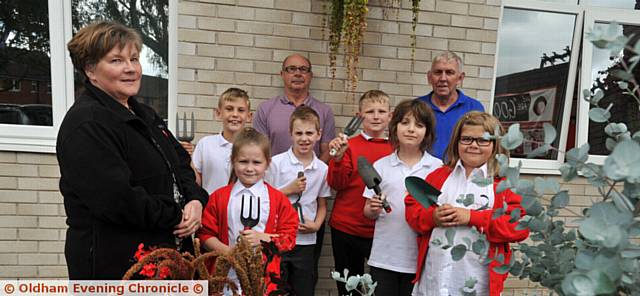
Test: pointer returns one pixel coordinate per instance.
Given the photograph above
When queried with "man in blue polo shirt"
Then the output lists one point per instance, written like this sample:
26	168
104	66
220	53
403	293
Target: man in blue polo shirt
447	102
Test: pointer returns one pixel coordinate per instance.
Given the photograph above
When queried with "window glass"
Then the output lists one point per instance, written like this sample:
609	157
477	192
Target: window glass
532	73
150	18
625	109
24	62
626	4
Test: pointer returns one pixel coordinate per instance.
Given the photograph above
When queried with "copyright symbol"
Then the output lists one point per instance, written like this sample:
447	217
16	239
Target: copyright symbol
197	288
9	288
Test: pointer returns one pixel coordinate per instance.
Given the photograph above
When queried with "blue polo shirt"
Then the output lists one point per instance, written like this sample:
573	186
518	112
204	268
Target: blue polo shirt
446	121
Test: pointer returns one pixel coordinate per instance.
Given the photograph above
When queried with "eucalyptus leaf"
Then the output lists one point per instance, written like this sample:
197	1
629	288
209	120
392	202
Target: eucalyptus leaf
480	247
458	252
352	282
450	233
614	128
502	269
513	138
610	144
549	133
560	200
599	115
470	283
623	85
621	74
568	171
515	215
541	150
624	162
480	180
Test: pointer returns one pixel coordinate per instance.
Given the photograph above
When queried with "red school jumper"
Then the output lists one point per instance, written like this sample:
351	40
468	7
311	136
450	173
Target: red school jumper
499	231
283	221
347	214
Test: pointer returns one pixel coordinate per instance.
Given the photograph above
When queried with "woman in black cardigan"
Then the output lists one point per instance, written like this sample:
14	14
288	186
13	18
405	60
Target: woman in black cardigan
124	177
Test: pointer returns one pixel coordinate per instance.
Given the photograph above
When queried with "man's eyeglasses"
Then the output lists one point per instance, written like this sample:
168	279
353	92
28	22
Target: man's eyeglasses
465	140
293	69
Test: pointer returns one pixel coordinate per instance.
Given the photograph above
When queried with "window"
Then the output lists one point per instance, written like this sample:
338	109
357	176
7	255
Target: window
596	69
16	85
35	35
152	22
538	74
34	87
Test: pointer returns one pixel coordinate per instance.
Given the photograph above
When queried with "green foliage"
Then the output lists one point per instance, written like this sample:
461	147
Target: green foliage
362	284
602	255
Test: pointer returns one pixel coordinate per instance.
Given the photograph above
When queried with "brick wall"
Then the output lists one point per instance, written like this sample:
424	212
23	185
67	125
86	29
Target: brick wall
241	43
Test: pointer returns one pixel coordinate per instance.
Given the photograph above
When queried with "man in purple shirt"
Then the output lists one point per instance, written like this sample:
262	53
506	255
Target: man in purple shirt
272	116
447	102
272	119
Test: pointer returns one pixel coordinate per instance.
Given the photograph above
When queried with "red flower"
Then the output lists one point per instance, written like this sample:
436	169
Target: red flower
140	253
164	272
148	270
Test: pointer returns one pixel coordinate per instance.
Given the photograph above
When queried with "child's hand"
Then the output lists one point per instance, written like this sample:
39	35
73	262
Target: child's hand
254	237
297	186
447	216
373	207
308	227
459	217
187	146
339	145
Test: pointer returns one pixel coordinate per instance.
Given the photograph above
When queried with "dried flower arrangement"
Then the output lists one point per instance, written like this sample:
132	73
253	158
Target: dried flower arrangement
167	263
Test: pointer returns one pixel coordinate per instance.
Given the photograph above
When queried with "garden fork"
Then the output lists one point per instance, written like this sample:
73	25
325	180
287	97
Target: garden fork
351	128
185	135
249	219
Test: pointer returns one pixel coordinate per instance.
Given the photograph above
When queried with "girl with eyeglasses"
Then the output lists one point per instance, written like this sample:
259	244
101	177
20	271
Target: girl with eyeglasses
468	209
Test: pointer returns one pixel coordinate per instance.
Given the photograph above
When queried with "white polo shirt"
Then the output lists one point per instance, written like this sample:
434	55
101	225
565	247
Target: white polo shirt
212	158
442	275
284	169
394	242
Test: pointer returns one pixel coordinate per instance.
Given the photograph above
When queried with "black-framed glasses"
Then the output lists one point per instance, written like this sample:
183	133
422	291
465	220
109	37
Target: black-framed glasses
466	140
293	69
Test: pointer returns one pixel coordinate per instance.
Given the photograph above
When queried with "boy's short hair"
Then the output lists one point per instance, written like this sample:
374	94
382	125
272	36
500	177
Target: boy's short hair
375	96
304	113
232	94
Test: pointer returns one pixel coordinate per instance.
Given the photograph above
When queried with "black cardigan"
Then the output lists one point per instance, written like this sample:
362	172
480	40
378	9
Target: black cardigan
117	183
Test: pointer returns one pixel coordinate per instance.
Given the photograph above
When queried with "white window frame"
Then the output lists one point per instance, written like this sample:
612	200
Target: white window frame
547	166
621	16
42	139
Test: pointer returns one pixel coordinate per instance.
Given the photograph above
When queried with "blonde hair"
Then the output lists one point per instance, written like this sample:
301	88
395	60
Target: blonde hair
304	113
94	41
374	96
249	136
489	123
422	113
232	94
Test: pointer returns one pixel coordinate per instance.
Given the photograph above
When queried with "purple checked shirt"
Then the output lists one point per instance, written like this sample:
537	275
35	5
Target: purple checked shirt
272	119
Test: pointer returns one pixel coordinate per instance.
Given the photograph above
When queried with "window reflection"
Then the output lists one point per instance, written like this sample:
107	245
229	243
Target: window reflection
532	72
625	4
25	66
625	109
152	23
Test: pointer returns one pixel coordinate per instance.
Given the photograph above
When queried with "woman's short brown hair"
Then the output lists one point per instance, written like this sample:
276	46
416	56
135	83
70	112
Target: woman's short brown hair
94	41
422	113
489	123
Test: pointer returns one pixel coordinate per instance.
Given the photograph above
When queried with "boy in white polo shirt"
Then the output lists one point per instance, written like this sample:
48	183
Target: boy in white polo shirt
302	176
211	157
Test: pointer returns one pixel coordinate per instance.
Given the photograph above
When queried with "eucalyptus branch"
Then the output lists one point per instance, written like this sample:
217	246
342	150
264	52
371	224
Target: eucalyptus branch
610	188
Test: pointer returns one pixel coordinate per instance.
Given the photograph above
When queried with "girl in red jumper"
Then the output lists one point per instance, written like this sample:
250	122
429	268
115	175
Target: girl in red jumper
468	156
221	219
